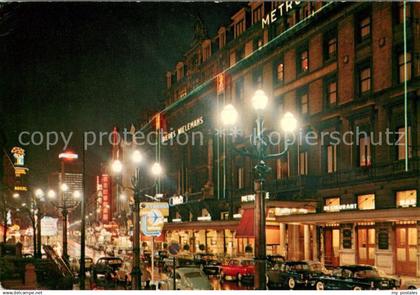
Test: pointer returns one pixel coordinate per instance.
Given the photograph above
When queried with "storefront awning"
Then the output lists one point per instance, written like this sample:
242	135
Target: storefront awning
245	227
379	215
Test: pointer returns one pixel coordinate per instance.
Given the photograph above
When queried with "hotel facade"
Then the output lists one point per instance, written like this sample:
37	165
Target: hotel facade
338	67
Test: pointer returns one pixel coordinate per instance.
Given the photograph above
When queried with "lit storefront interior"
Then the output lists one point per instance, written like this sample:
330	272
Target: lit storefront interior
359	233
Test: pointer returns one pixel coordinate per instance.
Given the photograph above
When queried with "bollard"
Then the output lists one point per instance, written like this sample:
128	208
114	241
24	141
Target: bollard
30	276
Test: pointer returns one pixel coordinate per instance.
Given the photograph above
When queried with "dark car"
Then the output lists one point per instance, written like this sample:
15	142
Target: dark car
208	263
294	274
107	266
180	261
356	277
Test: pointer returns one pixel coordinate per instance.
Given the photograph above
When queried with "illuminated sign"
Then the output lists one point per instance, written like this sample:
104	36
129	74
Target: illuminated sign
106	198
289	211
21	188
408	203
68	155
176	200
19	155
204	218
19	171
49	226
183	129
282	9
251	198
336	208
153	217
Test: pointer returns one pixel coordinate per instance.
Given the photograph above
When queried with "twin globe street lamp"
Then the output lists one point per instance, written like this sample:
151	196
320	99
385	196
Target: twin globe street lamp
65	205
156	171
259	153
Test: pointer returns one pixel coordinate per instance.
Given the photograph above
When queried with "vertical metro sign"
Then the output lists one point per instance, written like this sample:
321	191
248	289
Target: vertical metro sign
106	198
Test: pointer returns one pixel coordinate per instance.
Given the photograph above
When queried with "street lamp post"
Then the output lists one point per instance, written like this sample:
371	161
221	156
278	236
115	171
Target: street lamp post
65	206
156	170
260	155
39	194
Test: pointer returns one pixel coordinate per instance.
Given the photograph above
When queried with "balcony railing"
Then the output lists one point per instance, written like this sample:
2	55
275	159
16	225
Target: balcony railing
380	172
389	171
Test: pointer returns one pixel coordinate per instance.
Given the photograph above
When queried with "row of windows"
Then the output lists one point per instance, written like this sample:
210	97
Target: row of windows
362	33
363	154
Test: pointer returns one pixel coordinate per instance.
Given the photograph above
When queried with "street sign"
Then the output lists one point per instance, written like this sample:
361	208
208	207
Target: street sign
173	248
152	216
49	226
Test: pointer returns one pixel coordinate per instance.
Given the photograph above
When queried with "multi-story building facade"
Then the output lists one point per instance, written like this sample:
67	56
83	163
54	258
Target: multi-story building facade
341	68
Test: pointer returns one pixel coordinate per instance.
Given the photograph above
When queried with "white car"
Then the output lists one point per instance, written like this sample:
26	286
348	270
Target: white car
187	278
410	284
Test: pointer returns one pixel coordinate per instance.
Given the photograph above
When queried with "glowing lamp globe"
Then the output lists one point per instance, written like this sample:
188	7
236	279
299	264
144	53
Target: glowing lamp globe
39	193
64	187
259	100
51	194
117	166
136	157
77	195
156	169
288	123
229	115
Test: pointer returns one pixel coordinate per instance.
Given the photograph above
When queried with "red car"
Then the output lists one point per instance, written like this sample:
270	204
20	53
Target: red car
240	269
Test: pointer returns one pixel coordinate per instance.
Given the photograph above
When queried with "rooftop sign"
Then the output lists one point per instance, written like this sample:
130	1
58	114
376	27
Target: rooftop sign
281	10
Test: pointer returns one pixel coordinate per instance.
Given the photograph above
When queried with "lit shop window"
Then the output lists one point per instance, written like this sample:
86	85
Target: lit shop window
332	205
407	198
366	202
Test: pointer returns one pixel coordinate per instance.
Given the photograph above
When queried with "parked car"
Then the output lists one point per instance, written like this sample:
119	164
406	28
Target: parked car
187	278
294	274
208	263
240	269
123	275
75	264
107	266
356	277
273	259
410	284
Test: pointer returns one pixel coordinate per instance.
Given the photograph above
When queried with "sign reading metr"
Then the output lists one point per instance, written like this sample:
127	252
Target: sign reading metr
281	10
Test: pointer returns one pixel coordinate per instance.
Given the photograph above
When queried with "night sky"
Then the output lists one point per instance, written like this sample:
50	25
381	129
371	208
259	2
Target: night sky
90	66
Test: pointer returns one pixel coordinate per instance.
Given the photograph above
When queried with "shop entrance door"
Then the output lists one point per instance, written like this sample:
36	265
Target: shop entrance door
332	246
406	250
366	245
